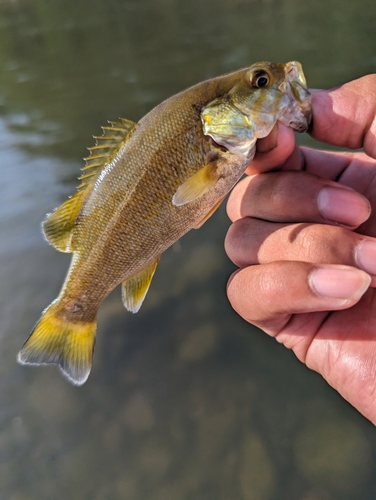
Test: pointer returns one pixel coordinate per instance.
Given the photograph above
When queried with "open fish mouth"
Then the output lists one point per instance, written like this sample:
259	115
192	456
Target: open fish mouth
298	115
300	121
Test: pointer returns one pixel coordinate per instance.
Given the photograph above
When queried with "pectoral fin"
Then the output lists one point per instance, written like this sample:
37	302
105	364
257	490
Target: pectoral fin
197	185
135	289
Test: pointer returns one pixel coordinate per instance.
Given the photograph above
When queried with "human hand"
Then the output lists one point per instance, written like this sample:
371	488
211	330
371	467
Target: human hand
304	238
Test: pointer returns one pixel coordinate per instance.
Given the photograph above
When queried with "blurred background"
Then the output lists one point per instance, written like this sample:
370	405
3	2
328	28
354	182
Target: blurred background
185	401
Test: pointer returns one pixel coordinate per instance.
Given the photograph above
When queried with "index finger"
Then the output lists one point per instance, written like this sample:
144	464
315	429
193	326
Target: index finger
346	116
269	157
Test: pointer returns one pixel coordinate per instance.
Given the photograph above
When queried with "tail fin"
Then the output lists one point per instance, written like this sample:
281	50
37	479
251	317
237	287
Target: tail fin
56	340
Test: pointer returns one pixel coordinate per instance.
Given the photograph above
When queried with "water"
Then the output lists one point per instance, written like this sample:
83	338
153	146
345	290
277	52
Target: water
185	401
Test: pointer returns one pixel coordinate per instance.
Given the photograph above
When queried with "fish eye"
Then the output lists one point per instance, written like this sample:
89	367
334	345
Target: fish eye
260	80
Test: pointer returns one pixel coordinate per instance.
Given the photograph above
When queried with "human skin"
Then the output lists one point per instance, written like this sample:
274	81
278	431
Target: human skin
303	234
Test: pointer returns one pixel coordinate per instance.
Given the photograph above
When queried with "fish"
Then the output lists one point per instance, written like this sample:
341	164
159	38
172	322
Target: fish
146	184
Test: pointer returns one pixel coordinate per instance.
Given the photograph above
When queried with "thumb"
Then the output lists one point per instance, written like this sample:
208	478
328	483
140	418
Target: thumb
346	116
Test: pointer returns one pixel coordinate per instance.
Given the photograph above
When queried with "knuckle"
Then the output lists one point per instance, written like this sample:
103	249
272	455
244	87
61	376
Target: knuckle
236	240
369	82
233	234
326	244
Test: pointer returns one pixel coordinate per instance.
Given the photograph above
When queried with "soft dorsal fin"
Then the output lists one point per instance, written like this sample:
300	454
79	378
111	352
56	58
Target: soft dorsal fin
58	226
134	290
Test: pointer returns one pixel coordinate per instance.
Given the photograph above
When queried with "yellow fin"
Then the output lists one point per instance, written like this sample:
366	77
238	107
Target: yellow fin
135	289
209	214
58	225
197	185
105	150
55	340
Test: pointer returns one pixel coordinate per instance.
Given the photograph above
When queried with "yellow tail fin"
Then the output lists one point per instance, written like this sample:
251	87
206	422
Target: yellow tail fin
55	340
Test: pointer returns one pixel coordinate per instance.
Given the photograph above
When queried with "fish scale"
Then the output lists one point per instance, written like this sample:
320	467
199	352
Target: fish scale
144	186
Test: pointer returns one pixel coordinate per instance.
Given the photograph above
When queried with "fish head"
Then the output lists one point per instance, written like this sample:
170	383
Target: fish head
261	95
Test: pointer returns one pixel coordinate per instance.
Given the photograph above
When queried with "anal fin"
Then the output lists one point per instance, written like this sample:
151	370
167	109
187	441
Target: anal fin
135	289
197	185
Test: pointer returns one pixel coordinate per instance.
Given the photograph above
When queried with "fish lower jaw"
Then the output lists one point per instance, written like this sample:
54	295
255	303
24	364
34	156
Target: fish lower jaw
297	123
298	116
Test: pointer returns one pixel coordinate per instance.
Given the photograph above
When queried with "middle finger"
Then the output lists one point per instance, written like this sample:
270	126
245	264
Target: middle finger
252	241
297	197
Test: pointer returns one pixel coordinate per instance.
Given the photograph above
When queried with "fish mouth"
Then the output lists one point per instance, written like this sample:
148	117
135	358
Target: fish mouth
297	118
298	115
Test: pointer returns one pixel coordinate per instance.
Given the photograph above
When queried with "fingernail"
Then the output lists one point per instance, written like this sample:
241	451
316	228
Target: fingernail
343	206
339	282
365	256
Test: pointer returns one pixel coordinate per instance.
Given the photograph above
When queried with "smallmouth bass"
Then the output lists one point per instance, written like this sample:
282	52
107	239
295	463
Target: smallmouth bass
144	186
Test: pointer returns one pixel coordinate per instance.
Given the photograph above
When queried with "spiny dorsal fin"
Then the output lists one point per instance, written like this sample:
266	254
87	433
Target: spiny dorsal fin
58	226
106	148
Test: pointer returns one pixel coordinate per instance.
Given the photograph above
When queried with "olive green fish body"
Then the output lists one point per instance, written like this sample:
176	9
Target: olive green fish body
129	219
140	231
163	177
